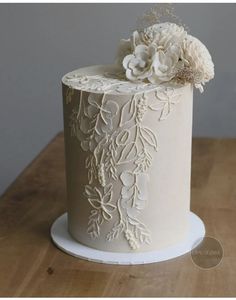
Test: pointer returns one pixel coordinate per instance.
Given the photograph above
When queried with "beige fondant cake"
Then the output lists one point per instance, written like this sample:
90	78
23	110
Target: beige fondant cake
128	131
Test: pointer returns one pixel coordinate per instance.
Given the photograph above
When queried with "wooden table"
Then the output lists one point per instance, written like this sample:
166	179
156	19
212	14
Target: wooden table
30	265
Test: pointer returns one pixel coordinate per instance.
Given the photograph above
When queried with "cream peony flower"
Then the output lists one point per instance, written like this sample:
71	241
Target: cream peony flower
198	59
153	65
138	65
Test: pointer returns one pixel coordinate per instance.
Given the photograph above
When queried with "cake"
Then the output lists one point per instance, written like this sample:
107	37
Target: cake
128	132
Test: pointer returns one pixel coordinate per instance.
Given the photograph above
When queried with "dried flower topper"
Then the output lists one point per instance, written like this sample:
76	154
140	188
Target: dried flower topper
165	52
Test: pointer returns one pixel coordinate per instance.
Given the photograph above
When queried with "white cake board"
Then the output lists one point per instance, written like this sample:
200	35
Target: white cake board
65	242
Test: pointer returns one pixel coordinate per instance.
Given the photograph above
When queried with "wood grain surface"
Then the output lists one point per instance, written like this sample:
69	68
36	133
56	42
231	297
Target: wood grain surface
30	264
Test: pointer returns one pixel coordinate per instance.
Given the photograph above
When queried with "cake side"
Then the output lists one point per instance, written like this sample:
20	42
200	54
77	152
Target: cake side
128	158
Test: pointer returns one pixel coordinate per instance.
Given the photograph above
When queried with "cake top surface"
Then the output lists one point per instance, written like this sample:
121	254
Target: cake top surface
108	79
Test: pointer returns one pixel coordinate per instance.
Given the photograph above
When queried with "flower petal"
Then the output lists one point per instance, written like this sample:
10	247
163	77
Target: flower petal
142	180
107	216
126	60
127	178
127	192
109	207
95	203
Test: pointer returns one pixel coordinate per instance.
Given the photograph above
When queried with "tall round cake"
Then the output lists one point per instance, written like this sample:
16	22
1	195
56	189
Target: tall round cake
128	159
128	132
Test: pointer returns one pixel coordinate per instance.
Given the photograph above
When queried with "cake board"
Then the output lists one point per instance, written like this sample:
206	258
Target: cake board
64	241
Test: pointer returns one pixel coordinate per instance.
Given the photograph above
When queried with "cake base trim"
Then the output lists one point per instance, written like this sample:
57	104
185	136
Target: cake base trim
64	241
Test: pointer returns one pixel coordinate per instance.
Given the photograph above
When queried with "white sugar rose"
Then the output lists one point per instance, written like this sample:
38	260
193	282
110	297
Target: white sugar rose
199	60
138	65
156	55
152	64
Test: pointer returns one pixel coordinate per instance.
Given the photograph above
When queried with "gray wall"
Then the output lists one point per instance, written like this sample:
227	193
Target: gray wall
41	42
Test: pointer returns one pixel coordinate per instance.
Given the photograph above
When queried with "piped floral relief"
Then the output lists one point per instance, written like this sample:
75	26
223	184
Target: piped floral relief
120	148
105	82
100	200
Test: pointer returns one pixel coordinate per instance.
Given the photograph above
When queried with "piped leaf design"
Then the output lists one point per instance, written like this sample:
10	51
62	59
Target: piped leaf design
107	210
149	137
140	231
122	137
100	201
128	153
107	193
127	112
110	161
165	99
95	220
95	203
90	192
91	166
115	231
